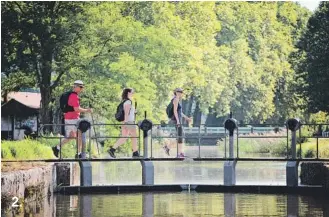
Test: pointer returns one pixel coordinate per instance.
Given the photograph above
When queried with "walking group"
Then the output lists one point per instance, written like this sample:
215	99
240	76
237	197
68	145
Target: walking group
126	114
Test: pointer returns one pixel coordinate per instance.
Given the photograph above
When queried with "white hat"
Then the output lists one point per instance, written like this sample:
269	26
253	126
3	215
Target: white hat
78	82
178	90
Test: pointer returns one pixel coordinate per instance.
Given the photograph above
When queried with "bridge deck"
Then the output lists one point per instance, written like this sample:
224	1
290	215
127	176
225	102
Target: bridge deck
168	159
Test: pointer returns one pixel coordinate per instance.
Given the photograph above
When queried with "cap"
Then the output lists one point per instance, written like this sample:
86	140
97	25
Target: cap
178	90
79	82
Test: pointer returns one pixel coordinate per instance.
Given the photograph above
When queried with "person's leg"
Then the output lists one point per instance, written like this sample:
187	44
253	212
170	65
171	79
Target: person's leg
70	134
124	132
180	141
119	142
133	134
168	143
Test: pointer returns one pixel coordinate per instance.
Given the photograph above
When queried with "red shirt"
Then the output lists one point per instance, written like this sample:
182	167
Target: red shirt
73	101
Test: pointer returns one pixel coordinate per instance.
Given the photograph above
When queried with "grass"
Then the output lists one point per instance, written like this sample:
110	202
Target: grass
25	150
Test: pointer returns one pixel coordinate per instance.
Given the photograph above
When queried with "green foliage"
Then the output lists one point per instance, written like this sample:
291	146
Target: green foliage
309	148
229	56
25	150
39	42
311	61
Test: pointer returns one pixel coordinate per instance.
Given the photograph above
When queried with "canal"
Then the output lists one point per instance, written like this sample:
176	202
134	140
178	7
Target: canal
185	203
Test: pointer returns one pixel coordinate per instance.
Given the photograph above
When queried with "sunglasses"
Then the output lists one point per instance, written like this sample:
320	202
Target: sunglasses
179	91
81	86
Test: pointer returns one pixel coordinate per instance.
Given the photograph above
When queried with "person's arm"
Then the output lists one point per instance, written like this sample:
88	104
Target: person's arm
79	109
186	117
127	107
175	102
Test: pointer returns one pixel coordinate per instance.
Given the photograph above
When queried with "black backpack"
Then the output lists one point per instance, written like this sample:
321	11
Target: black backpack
63	102
120	114
170	109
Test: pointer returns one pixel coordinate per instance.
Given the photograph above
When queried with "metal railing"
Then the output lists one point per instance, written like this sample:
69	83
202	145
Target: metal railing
197	132
84	138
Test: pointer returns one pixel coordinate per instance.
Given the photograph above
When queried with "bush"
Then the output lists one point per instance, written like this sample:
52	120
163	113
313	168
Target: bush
280	149
309	154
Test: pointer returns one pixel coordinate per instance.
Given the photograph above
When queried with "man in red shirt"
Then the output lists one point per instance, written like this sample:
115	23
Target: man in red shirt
72	117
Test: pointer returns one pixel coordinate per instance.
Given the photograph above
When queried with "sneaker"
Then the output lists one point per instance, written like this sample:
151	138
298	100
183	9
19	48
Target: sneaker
55	151
166	149
111	152
77	156
181	155
136	154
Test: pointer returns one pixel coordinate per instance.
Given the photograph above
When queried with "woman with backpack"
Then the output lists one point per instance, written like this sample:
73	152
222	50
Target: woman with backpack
128	127
176	119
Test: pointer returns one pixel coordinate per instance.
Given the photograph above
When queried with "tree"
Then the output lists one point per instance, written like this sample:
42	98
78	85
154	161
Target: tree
311	61
38	41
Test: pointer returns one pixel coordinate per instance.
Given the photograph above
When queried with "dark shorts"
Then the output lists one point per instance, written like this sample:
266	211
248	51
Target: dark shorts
179	130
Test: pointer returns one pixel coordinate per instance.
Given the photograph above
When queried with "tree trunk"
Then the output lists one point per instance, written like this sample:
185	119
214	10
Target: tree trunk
5	96
45	88
45	111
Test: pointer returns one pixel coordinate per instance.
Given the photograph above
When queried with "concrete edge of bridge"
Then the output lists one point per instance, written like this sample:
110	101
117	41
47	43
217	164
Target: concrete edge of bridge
259	189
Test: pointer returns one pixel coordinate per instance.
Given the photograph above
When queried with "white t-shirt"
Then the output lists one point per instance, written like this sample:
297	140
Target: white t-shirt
131	114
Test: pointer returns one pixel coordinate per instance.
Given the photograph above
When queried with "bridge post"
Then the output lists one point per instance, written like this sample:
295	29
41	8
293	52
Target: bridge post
229	166
85	166
293	125
147	166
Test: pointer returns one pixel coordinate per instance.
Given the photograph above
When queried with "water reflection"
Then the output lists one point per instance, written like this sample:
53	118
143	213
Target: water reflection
229	204
292	206
176	204
191	204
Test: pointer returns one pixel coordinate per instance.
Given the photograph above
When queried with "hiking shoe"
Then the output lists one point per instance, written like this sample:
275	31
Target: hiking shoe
111	152
55	151
136	154
166	149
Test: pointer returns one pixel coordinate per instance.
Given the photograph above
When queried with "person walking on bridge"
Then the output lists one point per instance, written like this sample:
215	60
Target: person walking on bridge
128	127
70	106
175	113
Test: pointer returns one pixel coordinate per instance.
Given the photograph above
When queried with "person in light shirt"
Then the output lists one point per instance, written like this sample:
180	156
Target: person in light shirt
128	127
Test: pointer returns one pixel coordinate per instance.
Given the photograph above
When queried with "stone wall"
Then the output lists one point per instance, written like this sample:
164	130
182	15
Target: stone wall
33	187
